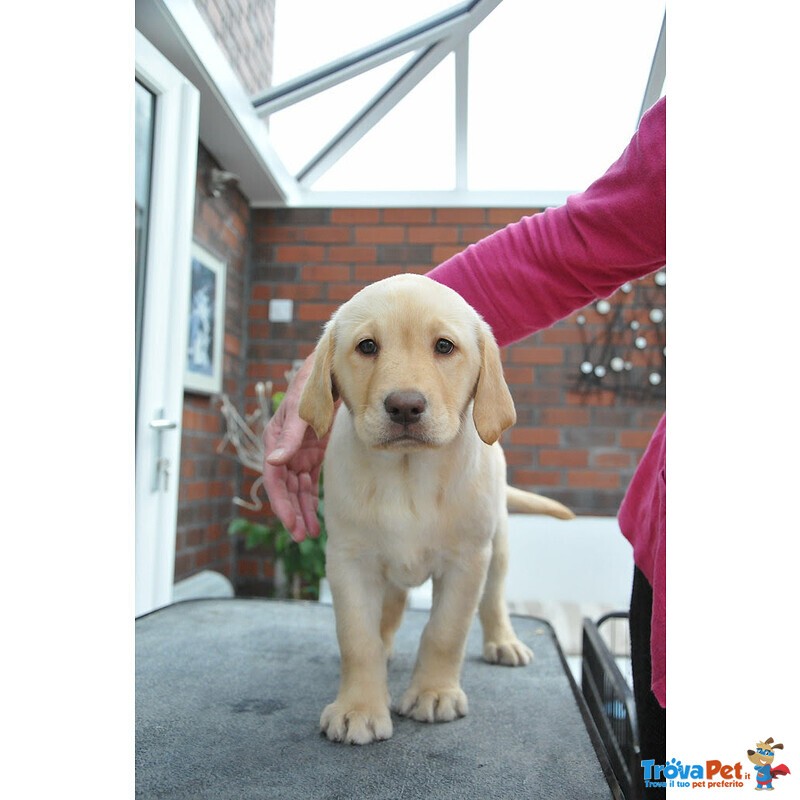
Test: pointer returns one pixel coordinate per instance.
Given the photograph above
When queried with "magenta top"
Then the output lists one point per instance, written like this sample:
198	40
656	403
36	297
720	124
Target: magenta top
539	270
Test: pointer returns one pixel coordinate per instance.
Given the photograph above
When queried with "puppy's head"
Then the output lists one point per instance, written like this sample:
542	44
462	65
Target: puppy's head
764	753
408	357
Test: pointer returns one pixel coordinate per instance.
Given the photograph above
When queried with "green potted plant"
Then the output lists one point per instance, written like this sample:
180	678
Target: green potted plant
302	563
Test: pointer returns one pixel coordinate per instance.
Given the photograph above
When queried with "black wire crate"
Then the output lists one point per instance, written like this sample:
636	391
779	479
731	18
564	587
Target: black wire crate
611	705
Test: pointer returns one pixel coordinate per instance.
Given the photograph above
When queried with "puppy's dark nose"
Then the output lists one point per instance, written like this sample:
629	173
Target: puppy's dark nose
405	408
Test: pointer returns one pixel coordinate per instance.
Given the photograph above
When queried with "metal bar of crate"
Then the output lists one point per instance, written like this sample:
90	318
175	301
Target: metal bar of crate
611	705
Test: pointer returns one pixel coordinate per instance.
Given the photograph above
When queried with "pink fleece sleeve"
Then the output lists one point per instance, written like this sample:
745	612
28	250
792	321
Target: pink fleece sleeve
539	270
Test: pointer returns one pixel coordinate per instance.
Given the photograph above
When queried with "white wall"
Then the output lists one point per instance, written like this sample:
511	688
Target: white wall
585	560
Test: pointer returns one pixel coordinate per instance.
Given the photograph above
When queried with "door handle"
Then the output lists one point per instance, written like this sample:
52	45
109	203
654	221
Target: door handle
162	465
163	424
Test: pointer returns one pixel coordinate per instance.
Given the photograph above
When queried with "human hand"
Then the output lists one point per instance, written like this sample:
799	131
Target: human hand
292	462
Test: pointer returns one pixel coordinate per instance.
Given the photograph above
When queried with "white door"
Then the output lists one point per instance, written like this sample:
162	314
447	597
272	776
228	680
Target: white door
167	111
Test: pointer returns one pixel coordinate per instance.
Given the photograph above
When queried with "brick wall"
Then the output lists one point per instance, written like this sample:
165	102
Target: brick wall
574	441
244	31
209	481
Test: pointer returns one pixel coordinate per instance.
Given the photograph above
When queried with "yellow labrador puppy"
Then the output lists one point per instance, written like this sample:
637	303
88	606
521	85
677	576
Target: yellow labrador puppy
415	488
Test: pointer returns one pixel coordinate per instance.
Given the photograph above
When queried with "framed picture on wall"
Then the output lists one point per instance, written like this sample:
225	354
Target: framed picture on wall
203	365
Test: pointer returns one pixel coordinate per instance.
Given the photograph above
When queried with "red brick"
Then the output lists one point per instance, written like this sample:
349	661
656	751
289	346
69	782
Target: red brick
352	255
257	372
537	355
259	330
210	217
518	375
614	459
219	489
597	397
376	272
317	312
239	224
561	334
229	237
349	216
565	416
563	458
232	344
529	477
474	234
297	291
342	291
534	436
442	253
195	537
276	234
196	491
409	216
326	273
593	480
325	234
248	567
299	253
516	458
504	216
635	439
433	234
258	311
461	216
383	234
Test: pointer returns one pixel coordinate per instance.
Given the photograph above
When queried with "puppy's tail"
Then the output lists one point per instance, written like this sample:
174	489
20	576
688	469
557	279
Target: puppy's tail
522	502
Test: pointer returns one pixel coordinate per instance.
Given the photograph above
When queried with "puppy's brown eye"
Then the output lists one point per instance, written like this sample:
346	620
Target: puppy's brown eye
367	347
444	347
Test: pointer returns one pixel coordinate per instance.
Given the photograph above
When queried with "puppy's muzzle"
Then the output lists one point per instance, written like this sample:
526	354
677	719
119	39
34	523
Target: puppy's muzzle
405	408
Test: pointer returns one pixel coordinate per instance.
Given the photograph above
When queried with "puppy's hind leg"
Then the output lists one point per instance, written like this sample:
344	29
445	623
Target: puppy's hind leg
394	604
500	643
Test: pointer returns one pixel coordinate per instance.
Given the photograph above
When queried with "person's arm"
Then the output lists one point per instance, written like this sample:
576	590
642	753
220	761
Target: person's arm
539	270
520	279
293	459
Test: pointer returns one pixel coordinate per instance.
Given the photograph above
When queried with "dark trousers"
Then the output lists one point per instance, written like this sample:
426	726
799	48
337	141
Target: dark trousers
651	716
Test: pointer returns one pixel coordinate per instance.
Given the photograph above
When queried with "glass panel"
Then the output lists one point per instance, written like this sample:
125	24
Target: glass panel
145	120
309	34
322	116
411	148
555	90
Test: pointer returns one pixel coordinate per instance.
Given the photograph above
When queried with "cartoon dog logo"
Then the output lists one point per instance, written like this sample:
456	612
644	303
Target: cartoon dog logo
762	757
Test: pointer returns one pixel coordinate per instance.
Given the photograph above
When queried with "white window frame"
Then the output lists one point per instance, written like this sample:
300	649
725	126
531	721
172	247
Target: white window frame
164	334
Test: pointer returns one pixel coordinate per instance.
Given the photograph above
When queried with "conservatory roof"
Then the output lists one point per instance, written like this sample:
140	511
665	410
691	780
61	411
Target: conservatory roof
427	102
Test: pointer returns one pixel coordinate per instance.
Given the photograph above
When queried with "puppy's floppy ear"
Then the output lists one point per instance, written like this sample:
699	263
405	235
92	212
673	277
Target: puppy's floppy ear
317	399
493	410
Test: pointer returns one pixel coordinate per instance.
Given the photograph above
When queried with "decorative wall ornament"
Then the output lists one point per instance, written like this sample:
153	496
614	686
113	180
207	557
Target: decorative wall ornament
624	341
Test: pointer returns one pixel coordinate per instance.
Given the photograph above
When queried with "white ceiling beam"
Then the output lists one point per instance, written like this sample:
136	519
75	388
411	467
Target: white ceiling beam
426	198
462	114
394	91
350	66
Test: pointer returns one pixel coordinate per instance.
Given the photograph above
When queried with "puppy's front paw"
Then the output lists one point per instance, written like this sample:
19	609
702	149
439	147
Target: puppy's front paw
356	723
510	652
433	705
